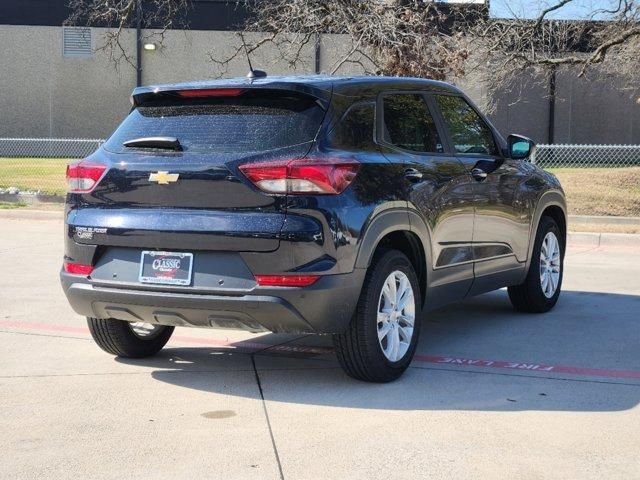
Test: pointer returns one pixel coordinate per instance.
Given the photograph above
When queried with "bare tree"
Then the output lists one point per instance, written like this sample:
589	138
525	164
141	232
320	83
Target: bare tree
119	15
544	42
516	51
448	42
422	38
401	37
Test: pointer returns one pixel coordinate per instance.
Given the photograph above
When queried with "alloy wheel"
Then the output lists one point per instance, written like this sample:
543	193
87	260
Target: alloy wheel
145	330
396	316
550	265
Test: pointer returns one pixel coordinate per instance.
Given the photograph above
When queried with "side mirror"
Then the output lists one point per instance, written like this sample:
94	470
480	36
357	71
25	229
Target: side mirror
520	147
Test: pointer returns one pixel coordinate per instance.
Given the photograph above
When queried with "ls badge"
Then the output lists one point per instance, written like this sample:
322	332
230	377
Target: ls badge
163	178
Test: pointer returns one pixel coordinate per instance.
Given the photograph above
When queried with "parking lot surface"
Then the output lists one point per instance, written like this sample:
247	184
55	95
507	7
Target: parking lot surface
491	394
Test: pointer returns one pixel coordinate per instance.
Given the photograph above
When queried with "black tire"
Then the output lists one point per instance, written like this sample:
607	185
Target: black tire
528	296
117	338
358	349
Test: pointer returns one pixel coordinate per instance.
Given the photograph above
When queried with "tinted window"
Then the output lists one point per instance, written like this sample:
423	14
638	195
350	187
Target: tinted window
409	125
355	129
254	121
469	132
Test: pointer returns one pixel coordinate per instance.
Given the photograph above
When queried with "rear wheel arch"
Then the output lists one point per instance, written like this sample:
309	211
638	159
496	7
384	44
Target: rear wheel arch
394	229
409	244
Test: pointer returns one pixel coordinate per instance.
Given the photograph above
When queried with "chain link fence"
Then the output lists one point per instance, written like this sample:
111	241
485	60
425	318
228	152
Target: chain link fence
38	165
598	179
587	156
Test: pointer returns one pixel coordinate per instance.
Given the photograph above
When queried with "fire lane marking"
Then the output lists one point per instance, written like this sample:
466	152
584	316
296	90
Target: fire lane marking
527	366
255	347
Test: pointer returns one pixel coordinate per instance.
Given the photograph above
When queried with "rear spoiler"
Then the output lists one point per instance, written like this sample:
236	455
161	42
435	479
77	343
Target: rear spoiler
229	88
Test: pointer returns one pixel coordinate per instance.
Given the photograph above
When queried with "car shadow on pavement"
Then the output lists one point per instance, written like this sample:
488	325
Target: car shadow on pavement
589	330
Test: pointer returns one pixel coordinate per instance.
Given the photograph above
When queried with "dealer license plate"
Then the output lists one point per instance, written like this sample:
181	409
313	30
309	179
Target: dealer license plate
167	268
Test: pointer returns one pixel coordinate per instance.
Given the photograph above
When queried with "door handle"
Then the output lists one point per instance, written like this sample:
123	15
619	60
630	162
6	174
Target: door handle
412	174
478	174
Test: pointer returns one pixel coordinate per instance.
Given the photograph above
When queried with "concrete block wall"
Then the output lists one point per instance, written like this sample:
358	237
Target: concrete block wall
44	94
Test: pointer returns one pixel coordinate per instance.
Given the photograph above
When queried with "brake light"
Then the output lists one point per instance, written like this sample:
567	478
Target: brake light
78	268
210	92
321	176
82	176
286	280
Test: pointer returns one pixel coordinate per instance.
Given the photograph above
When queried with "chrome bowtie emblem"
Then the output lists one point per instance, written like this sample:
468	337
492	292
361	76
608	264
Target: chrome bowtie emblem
163	178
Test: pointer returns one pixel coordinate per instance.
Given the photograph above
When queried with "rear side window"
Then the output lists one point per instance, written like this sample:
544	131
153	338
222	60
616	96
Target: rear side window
251	122
355	129
468	131
408	124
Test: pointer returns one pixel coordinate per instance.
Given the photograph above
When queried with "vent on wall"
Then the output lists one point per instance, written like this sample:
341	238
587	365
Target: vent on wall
76	41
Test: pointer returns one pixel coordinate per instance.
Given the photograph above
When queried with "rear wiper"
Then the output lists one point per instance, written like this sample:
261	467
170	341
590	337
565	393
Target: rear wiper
169	143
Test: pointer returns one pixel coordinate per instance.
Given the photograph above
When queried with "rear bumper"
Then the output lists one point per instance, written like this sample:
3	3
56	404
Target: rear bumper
325	307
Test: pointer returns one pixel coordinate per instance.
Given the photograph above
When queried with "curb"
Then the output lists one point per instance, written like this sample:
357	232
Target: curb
604	239
603	220
25	214
32	199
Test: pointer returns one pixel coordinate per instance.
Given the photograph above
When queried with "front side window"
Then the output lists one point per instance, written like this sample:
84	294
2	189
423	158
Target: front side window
469	132
409	125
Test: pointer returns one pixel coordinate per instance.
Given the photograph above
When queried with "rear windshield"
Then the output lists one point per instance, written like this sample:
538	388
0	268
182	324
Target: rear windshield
251	122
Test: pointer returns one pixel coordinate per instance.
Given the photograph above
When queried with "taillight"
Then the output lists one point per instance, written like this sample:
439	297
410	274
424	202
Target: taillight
82	176
286	280
320	176
78	268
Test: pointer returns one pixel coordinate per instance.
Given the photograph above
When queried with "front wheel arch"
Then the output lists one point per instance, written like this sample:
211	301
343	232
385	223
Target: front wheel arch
551	203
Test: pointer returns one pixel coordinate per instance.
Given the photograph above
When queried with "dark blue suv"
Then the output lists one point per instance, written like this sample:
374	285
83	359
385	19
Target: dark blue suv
342	206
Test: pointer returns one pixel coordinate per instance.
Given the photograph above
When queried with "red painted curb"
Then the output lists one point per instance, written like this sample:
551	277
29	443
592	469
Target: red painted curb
252	346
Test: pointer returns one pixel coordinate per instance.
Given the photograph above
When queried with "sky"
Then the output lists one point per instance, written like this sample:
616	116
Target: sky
577	9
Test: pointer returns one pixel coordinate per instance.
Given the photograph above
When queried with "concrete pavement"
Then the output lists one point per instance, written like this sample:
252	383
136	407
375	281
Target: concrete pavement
491	394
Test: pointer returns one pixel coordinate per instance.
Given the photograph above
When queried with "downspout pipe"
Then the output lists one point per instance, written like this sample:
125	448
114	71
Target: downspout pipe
552	106
139	43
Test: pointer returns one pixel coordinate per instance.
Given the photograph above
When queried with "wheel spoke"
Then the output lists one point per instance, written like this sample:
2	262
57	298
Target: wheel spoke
393	289
406	300
403	289
405	334
383	316
384	331
407	319
386	293
393	344
545	281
